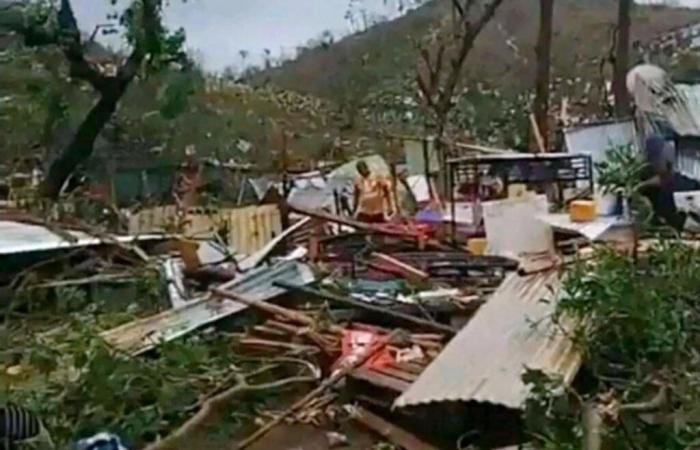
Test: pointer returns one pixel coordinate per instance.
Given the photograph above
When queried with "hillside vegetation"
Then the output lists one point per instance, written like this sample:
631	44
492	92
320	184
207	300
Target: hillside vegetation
375	69
331	98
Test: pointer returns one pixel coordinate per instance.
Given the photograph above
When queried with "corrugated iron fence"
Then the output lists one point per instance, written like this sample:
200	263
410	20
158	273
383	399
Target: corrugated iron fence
246	229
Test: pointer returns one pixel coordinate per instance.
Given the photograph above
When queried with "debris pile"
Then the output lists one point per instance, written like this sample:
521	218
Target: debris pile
426	321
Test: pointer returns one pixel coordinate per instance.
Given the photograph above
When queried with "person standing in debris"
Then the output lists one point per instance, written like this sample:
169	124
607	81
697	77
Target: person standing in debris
373	202
660	182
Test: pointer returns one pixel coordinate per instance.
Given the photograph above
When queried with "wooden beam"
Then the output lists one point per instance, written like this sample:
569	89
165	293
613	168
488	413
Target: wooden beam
369	307
394	434
399	267
380	380
362	226
538	135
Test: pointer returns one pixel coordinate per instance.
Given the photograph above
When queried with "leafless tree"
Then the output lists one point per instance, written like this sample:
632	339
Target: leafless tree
543	50
442	61
622	58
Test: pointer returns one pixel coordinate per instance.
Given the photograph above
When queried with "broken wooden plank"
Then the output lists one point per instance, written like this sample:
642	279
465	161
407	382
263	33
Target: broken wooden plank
394	434
369	307
268	330
347	366
409	367
538	264
362	226
99	278
274	310
258	257
401	268
396	373
380	380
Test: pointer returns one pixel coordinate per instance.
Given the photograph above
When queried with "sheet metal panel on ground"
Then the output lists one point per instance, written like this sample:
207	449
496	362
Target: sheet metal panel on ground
18	237
485	361
258	284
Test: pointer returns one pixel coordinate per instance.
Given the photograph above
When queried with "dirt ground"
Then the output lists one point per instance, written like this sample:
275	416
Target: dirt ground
289	437
306	437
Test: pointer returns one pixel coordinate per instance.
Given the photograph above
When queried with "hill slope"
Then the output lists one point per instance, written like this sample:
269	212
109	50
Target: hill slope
384	57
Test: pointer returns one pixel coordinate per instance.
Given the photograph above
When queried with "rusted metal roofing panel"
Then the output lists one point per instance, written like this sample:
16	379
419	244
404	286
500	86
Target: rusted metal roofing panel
250	228
485	361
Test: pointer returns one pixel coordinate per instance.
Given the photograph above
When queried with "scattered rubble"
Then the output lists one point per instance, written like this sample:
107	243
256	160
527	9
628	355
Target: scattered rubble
397	325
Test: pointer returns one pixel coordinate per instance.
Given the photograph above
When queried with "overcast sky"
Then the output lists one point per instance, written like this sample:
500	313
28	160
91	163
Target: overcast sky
219	29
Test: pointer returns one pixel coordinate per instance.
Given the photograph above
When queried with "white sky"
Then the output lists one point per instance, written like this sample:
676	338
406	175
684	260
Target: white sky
218	29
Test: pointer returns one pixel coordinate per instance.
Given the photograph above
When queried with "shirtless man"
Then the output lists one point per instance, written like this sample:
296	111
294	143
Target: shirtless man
372	199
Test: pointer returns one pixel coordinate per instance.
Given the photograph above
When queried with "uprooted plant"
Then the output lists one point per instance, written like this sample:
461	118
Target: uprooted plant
639	335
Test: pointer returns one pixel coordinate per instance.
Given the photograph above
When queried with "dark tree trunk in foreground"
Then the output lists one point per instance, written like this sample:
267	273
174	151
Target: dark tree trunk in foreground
65	34
622	58
82	145
544	51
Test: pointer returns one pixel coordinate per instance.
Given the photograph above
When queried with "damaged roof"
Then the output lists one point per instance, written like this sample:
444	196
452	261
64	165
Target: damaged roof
486	360
18	237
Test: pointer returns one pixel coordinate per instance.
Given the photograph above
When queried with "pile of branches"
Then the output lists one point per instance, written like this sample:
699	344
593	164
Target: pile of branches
80	386
639	328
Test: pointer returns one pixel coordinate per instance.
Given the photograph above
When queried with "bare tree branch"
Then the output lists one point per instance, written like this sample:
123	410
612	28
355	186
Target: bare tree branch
458	7
425	90
437	69
214	405
98	27
656	403
469	35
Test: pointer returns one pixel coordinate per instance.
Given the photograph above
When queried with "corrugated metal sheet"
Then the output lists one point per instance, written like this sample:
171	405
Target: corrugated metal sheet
249	228
17	237
485	361
144	334
152	219
687	162
259	256
596	139
660	101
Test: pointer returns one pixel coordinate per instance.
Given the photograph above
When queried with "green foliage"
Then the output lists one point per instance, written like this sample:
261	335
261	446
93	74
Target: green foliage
621	171
550	413
175	96
152	37
138	398
70	298
638	329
